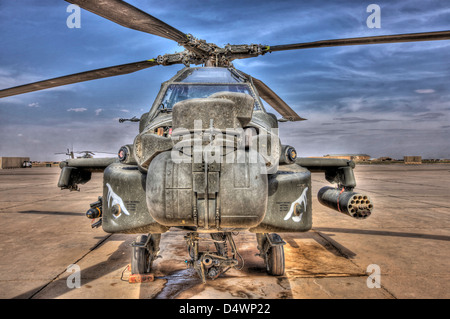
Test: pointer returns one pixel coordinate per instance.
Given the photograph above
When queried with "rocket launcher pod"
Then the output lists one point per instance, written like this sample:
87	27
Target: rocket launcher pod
346	202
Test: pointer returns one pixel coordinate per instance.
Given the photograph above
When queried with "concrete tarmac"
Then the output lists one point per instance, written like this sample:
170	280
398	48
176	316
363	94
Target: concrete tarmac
405	244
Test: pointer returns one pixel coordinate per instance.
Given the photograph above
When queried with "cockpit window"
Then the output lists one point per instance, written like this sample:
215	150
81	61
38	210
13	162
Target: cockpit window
209	75
180	92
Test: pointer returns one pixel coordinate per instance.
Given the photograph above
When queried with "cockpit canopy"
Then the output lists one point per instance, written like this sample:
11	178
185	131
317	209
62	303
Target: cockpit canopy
202	82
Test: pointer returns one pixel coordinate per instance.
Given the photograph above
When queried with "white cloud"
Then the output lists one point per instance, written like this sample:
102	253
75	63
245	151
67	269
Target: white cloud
125	111
34	104
424	91
98	111
80	109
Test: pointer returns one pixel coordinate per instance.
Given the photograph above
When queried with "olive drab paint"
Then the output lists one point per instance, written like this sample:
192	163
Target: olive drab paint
208	159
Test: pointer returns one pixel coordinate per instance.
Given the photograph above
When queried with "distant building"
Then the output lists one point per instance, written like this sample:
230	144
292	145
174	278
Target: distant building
352	157
45	164
14	162
412	159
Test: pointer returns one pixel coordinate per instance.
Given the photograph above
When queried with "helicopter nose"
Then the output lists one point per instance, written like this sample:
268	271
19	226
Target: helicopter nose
207	195
225	109
190	189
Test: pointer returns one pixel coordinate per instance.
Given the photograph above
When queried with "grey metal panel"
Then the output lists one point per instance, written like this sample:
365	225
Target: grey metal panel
125	184
289	205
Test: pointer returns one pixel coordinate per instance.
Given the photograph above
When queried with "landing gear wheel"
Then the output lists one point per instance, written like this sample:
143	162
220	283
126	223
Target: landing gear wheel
141	258
275	257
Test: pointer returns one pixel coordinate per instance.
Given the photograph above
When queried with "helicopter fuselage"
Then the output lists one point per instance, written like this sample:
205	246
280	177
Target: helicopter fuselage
207	158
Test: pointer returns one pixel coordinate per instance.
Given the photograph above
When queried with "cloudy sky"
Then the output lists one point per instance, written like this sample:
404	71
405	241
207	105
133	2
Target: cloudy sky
383	100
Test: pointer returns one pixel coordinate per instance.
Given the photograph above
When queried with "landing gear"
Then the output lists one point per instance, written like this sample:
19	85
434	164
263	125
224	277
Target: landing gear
272	251
145	250
212	264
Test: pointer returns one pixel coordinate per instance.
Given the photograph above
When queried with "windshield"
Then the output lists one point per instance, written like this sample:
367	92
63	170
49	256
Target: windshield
180	92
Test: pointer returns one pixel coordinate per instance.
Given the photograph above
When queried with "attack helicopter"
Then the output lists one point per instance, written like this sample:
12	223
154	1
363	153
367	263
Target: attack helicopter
86	154
207	157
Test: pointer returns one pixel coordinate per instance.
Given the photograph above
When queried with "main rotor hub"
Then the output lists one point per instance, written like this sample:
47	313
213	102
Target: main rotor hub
198	51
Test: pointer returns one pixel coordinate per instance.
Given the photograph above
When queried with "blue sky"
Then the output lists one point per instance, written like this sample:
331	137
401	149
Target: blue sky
383	100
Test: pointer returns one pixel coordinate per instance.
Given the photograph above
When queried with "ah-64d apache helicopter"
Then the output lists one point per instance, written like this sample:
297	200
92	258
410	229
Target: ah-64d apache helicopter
208	158
87	154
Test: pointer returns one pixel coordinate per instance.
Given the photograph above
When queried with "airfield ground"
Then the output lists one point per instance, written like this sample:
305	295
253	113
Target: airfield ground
43	230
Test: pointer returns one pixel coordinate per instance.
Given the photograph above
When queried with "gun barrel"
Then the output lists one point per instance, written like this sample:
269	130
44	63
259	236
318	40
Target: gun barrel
356	205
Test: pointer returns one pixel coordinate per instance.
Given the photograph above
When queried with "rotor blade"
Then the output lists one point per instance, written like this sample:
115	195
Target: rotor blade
410	37
79	77
274	100
131	17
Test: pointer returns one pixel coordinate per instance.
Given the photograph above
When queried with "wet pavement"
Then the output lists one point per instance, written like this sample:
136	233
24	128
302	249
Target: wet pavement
43	232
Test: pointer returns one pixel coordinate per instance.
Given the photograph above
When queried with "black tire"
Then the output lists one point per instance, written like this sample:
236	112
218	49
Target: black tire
140	257
275	257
